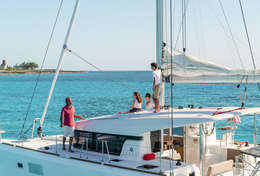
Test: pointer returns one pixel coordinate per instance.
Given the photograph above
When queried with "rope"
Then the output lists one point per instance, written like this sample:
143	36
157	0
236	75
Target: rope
223	112
39	74
97	68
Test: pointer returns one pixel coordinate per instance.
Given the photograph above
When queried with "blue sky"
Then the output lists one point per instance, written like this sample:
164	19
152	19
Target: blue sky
120	34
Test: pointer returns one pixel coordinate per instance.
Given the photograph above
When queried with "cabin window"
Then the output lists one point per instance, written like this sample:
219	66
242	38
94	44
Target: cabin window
177	131
156	141
94	141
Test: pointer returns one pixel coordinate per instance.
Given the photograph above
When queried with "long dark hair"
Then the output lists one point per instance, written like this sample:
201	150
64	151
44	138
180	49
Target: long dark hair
138	97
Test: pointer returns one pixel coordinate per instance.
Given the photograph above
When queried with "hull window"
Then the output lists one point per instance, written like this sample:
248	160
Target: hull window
35	169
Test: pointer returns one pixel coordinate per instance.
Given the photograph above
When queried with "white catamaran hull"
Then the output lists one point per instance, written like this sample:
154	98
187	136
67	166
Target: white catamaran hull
23	162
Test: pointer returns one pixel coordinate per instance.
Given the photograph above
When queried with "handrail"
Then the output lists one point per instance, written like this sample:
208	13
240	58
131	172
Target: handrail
107	151
34	122
81	148
56	144
1	132
87	148
104	144
102	159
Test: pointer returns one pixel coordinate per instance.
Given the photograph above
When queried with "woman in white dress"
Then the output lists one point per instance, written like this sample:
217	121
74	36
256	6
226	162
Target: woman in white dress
137	103
149	106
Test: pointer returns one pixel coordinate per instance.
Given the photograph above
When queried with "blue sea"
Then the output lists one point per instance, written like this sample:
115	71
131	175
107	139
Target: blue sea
101	93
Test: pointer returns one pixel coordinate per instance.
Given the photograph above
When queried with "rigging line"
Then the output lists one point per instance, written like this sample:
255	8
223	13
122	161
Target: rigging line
166	34
249	44
180	27
242	98
172	34
179	32
231	33
166	41
227	36
184	26
97	68
42	64
171	94
247	35
165	23
245	93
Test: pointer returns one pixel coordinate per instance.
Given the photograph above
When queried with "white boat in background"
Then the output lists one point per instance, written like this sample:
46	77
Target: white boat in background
142	143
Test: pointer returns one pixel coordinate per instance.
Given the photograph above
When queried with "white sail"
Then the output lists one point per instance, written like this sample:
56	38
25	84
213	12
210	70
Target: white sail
189	66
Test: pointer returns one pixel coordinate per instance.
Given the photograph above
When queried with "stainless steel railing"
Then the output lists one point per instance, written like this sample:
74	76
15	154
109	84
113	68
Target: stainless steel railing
34	122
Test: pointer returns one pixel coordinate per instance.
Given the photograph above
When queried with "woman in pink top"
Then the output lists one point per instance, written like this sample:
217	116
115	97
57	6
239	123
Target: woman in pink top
68	113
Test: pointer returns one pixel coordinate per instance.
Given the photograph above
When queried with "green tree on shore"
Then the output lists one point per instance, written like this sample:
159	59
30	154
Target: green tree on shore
26	66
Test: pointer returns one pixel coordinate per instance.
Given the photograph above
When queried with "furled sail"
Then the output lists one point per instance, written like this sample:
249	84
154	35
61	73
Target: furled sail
190	69
189	66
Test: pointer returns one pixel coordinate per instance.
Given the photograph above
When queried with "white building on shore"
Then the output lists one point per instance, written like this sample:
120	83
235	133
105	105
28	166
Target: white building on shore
3	66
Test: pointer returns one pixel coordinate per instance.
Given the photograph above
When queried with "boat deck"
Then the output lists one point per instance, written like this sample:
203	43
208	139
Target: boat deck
53	145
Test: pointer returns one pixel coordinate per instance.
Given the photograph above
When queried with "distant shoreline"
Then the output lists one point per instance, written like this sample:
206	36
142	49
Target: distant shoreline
45	71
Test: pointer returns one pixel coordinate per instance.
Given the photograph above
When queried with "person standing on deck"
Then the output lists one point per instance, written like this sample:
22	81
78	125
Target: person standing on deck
156	85
68	113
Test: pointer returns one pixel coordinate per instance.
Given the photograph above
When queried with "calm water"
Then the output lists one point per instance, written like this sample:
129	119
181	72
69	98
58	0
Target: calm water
99	93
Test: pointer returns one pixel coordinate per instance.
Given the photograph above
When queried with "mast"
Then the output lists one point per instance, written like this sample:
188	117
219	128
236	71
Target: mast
39	130
160	44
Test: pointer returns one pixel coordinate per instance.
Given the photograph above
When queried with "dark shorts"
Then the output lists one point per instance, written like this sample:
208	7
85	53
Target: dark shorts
135	110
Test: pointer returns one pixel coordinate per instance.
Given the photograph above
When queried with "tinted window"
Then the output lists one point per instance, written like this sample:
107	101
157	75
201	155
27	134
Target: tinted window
94	141
156	141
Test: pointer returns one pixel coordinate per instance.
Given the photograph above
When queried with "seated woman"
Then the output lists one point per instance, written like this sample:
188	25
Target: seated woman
137	103
149	104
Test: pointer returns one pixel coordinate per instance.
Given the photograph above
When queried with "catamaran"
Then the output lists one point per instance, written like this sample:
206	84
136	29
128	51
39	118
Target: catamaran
141	143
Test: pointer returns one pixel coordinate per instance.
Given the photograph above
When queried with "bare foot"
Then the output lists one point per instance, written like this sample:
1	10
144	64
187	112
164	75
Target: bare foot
71	151
63	148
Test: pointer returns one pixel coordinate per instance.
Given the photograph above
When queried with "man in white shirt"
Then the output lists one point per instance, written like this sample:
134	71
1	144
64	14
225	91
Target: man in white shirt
156	85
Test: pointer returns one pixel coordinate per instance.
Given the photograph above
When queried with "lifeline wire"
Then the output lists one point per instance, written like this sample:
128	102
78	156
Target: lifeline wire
42	64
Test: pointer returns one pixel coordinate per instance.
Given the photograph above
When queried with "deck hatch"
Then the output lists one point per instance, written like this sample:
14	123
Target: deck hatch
116	160
35	168
147	166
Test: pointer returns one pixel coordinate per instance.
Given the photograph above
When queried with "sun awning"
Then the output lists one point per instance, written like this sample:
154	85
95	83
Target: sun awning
136	124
